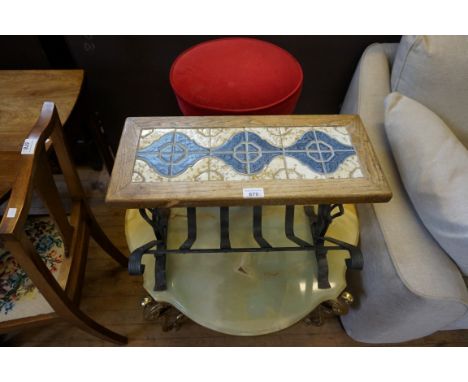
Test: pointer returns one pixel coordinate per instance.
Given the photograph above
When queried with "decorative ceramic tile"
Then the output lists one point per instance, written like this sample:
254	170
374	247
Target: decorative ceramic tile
186	154
219	170
202	136
338	133
290	135
272	135
220	136
297	170
142	172
148	136
198	172
275	170
350	168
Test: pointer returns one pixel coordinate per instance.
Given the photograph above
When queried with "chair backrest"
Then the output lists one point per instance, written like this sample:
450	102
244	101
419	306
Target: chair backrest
35	173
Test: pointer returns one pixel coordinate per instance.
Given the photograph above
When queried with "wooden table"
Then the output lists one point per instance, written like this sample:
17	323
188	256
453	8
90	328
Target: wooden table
174	169
244	160
22	93
199	161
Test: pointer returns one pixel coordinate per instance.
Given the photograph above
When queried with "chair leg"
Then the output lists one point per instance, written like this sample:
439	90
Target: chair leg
101	238
35	267
47	189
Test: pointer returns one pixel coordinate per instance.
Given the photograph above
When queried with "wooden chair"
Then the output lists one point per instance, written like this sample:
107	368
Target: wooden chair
34	173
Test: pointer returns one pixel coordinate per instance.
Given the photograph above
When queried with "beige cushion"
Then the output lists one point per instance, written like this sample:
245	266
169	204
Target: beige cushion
419	261
409	287
433	166
433	70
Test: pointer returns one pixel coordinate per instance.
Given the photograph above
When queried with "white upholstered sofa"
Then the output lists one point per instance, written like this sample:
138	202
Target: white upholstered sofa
410	287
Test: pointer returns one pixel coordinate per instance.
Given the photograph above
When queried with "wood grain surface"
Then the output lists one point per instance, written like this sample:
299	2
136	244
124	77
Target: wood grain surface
22	93
372	188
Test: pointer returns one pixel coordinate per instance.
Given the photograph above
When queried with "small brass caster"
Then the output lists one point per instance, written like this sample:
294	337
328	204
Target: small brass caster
146	301
175	324
346	297
315	318
163	313
338	308
330	308
153	310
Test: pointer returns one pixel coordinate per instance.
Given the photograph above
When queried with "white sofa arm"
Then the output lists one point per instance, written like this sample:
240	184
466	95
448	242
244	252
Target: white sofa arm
369	87
409	286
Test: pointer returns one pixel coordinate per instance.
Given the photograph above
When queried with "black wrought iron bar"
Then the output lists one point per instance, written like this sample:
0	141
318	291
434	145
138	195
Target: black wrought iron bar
160	282
158	221
257	228
161	217
191	228
319	224
224	222
237	250
322	267
144	215
135	267
289	227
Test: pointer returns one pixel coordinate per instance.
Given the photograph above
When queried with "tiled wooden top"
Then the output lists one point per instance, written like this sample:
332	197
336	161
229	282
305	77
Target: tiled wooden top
180	161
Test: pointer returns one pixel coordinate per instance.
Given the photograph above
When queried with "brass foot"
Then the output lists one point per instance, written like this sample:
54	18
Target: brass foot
153	310
330	308
165	314
173	324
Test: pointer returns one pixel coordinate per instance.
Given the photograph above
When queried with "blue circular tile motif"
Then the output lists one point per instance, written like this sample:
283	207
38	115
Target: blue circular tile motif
320	151
245	152
172	153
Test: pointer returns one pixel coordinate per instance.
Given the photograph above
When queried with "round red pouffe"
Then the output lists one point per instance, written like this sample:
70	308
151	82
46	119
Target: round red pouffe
236	76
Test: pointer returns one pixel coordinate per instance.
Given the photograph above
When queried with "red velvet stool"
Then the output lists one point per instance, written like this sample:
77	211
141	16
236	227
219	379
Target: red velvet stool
236	76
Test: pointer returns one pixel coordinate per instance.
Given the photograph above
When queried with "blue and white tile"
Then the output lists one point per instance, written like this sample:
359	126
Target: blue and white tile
291	135
200	136
145	132
199	171
256	139
229	145
341	134
334	161
172	154
193	163
271	135
231	161
148	136
330	141
142	172
350	168
219	170
275	170
295	169
221	136
314	165
256	166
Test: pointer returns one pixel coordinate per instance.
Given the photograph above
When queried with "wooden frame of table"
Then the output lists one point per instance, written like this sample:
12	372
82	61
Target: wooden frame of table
155	198
122	191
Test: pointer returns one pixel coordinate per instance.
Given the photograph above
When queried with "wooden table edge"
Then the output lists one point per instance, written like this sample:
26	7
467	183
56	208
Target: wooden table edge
118	194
